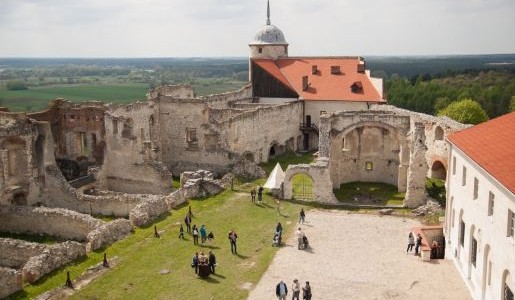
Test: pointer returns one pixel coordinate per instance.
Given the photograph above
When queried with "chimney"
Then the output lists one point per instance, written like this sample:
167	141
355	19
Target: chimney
335	70
314	69
305	83
361	67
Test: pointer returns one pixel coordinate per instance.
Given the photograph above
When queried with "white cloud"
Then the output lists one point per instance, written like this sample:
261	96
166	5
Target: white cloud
96	28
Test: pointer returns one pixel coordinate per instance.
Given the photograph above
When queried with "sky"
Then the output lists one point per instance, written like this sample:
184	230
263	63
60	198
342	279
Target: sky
221	28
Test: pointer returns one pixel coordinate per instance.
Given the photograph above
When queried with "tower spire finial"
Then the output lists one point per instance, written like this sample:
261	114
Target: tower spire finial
268	12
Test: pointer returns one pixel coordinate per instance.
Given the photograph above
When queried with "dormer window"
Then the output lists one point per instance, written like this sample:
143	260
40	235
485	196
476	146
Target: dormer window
357	87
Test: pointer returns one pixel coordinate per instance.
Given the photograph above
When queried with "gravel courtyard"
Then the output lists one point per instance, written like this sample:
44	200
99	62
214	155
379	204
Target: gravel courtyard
356	256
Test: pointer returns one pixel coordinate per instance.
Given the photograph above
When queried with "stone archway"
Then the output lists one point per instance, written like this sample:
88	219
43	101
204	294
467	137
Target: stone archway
302	186
318	174
438	170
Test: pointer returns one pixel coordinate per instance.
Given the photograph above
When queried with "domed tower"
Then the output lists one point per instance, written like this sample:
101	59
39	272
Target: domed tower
269	41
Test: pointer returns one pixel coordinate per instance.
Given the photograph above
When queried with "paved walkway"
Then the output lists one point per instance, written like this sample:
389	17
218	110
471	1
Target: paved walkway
355	256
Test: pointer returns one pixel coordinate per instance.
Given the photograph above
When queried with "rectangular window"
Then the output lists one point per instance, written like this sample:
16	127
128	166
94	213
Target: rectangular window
473	252
369	166
454	165
476	188
115	126
191	138
464	176
491	203
462	233
511	223
489	273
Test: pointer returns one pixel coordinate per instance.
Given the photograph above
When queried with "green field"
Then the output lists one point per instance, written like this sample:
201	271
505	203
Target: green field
37	98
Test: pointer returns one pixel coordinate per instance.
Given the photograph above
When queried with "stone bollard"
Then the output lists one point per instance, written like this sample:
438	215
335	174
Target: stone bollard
156	234
105	263
68	280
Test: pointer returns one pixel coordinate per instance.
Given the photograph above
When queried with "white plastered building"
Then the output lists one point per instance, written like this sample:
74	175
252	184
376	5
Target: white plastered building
480	209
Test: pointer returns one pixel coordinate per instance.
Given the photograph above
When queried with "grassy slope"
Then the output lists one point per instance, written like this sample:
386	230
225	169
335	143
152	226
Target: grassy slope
142	256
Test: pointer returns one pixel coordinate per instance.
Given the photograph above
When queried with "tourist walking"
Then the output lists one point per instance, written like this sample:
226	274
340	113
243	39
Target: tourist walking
181	232
212	262
190	213
302	216
253	195
418	244
194	262
411	242
260	194
295	289
300	238
187	221
210	237
306	291
279	228
194	231
232	239
203	234
281	290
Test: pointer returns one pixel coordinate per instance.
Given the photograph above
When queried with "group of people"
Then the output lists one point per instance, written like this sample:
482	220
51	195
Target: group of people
411	243
204	265
302	240
281	290
259	194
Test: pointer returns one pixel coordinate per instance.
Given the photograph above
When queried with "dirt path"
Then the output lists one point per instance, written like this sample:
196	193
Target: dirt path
356	256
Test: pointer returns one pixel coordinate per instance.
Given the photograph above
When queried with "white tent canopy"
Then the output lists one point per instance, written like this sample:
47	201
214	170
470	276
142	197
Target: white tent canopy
276	178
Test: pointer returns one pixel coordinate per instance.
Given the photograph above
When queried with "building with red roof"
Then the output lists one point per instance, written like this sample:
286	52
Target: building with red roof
480	212
322	84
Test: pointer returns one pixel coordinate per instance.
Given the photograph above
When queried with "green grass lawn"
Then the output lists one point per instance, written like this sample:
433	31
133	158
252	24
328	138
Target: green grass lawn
369	193
436	189
37	98
142	256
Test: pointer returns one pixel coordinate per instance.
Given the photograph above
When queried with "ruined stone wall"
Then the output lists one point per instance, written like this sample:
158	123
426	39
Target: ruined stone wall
257	130
133	153
436	130
366	146
225	100
319	173
15	253
77	128
61	223
176	91
22	156
10	281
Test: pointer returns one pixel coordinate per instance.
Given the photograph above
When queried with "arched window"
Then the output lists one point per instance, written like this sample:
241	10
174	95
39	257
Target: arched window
438	133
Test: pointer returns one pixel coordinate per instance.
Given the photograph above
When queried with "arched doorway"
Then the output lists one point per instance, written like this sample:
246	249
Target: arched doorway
438	170
302	187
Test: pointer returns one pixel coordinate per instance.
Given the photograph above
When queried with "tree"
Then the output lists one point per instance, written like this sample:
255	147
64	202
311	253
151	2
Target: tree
465	111
16	85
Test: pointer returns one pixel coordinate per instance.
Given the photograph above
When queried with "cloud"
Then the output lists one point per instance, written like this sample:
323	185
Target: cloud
224	27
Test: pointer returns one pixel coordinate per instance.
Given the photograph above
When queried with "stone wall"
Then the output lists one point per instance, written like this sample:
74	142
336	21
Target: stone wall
133	152
10	282
57	222
319	173
109	233
15	253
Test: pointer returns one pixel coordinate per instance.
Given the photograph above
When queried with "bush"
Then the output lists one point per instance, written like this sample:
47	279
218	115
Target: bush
16	85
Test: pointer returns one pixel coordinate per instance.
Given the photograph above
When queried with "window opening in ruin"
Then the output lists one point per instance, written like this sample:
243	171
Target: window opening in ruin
369	166
438	170
84	151
308	120
272	151
473	251
491	203
511	223
260	50
462	233
115	126
142	134
476	188
191	138
93	142
19	198
438	133
464	176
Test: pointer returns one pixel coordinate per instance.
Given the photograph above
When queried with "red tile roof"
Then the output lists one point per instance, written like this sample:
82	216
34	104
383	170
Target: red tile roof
323	85
492	146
